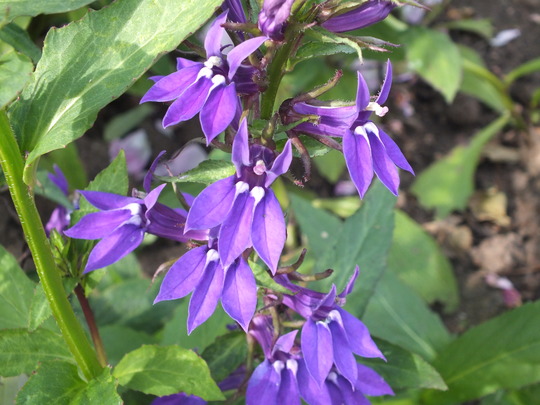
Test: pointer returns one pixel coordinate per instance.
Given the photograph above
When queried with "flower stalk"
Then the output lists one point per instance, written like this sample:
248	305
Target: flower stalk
72	331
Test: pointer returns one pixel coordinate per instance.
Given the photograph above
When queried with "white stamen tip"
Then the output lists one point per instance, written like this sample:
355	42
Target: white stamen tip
257	193
378	109
212	256
213	61
218	79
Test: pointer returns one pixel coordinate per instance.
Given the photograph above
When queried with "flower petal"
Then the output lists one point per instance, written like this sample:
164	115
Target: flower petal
184	275
311	392
285	342
188	103
350	284
172	86
383	166
357	154
151	199
114	247
263	385
268	232
97	225
206	295
370	12
360	340
218	111
182	63
240	148
239	297
212	205
371	383
362	93
212	42
394	152
288	388
316	340
240	52
108	201
147	182
281	164
343	356
59	179
235	233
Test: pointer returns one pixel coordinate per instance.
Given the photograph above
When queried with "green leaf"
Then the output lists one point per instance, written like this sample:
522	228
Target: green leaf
166	370
363	241
416	258
207	172
327	43
19	39
435	58
16	291
524	396
331	165
265	280
503	353
403	369
46	188
319	226
15	72
84	68
481	26
10	9
21	350
58	383
175	331
120	340
226	354
397	314
524	69
447	184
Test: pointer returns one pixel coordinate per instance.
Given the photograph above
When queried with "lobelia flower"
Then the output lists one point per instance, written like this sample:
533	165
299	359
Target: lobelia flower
370	12
244	204
273	18
201	272
209	88
330	334
60	216
236	10
366	147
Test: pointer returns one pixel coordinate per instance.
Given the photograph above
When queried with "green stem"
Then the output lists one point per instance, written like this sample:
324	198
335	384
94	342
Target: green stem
72	331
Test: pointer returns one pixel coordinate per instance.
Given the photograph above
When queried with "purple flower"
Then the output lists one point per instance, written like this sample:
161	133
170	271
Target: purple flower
366	147
60	216
200	271
370	12
330	334
244	204
209	88
273	16
236	10
122	222
179	399
274	380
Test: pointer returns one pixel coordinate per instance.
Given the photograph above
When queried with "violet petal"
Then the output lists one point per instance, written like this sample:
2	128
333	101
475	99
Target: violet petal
281	164
360	340
108	201
316	340
239	297
343	356
212	42
188	103
240	52
385	88
263	385
393	151
240	149
97	225
357	154
383	166
172	86
218	111
371	383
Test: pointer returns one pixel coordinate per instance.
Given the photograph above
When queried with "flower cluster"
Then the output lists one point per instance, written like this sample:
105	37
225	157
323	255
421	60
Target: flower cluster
238	219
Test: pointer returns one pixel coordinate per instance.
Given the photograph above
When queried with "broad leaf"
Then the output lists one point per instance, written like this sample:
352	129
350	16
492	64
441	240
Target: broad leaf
21	350
364	241
10	9
503	353
166	370
226	354
419	262
15	72
403	369
58	383
19	39
88	63
206	172
435	58
447	184
397	314
264	279
327	43
331	165
120	340
16	291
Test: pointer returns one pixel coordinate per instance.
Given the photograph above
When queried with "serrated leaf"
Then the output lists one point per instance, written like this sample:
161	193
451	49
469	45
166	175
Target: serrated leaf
166	370
21	350
16	291
403	369
206	172
327	43
58	383
435	58
319	226
447	184
40	309
503	353
15	72
226	354
19	39
364	241
397	314
10	9
83	69
265	280
419	262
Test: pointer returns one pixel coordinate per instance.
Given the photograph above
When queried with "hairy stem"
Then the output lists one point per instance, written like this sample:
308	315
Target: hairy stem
72	331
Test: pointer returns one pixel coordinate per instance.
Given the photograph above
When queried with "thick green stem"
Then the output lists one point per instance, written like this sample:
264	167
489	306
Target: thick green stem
72	331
